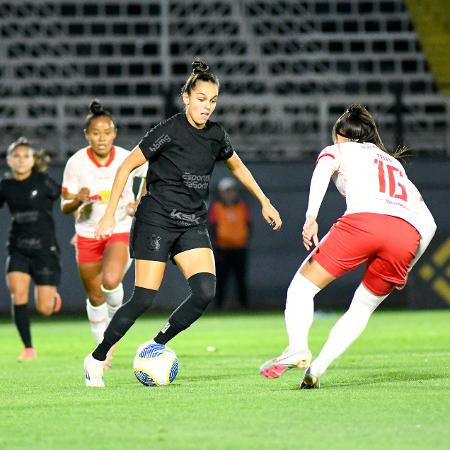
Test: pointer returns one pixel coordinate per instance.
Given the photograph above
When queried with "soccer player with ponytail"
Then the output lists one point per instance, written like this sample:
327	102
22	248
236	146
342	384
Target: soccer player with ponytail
33	253
171	219
386	226
87	182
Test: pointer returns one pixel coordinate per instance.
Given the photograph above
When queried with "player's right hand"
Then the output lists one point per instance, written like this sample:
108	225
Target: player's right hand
104	227
310	231
83	195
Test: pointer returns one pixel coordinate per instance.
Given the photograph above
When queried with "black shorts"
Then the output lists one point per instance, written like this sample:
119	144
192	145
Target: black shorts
43	266
156	243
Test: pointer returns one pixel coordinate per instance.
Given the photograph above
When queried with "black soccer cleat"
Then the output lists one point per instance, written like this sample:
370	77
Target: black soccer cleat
310	381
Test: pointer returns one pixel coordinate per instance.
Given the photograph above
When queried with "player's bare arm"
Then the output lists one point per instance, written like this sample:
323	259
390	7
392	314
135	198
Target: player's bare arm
241	172
71	202
107	222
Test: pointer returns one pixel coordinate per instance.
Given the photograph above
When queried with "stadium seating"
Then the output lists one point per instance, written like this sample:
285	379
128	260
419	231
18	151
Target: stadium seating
287	69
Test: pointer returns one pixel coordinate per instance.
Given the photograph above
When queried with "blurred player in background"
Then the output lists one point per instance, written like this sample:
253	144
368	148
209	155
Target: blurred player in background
33	253
87	182
386	226
171	220
229	220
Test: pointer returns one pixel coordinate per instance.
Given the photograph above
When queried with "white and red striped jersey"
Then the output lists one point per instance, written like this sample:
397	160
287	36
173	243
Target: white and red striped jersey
371	181
83	170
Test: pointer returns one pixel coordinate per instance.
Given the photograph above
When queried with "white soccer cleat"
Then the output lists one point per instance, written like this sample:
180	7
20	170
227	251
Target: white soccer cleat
274	368
93	372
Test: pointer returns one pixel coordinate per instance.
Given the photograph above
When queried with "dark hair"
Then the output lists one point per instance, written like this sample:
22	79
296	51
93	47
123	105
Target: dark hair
358	125
41	157
96	110
200	72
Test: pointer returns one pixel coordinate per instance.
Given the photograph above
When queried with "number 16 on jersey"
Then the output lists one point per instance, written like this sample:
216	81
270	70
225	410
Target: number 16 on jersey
391	183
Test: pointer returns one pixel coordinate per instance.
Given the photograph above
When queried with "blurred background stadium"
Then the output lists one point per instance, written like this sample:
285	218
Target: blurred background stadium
287	70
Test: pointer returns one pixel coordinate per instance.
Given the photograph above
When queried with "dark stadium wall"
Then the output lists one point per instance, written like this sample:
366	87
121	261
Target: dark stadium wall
274	257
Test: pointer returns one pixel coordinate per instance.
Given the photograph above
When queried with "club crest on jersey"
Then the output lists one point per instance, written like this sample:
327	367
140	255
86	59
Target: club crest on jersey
153	242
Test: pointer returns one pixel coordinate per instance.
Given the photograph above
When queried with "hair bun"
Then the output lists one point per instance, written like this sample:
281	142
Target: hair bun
96	107
356	109
199	66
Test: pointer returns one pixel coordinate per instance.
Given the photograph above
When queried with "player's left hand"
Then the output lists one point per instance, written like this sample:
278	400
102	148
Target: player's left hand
310	233
272	216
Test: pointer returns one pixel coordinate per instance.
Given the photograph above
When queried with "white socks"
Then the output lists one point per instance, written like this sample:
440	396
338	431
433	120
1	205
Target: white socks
299	312
98	318
114	299
347	328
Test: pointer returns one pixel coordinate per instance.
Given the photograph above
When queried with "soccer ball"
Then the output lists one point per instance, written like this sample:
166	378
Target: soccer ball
155	364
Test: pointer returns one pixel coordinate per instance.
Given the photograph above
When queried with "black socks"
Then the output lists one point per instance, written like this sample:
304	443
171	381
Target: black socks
203	288
124	318
22	320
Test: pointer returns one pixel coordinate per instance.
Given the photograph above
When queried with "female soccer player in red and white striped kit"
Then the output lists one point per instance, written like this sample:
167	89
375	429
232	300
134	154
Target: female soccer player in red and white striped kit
386	226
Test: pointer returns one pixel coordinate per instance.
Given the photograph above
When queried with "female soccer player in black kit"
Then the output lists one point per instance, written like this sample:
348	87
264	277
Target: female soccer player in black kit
33	253
171	218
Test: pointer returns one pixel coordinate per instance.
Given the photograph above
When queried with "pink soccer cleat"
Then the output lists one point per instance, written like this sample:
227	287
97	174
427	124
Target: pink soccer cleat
28	354
274	368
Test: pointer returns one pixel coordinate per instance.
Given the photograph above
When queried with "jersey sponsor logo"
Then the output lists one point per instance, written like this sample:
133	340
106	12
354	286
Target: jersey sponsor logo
196	181
102	197
26	216
190	218
164	139
45	271
29	243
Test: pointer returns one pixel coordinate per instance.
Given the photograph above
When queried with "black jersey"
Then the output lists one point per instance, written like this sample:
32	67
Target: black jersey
181	160
30	202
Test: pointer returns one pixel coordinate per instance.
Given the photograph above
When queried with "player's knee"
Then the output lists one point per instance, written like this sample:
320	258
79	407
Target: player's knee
19	297
141	300
45	309
114	297
110	281
203	288
96	298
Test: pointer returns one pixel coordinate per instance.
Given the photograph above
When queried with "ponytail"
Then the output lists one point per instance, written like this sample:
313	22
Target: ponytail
358	125
41	160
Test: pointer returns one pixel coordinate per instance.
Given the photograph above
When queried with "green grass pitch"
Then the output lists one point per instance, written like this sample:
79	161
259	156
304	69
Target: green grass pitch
390	390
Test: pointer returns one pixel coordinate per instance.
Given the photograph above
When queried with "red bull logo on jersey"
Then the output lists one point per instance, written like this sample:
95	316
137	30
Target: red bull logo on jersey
102	197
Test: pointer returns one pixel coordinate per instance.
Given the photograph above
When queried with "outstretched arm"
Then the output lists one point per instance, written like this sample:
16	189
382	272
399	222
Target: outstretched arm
241	172
106	224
